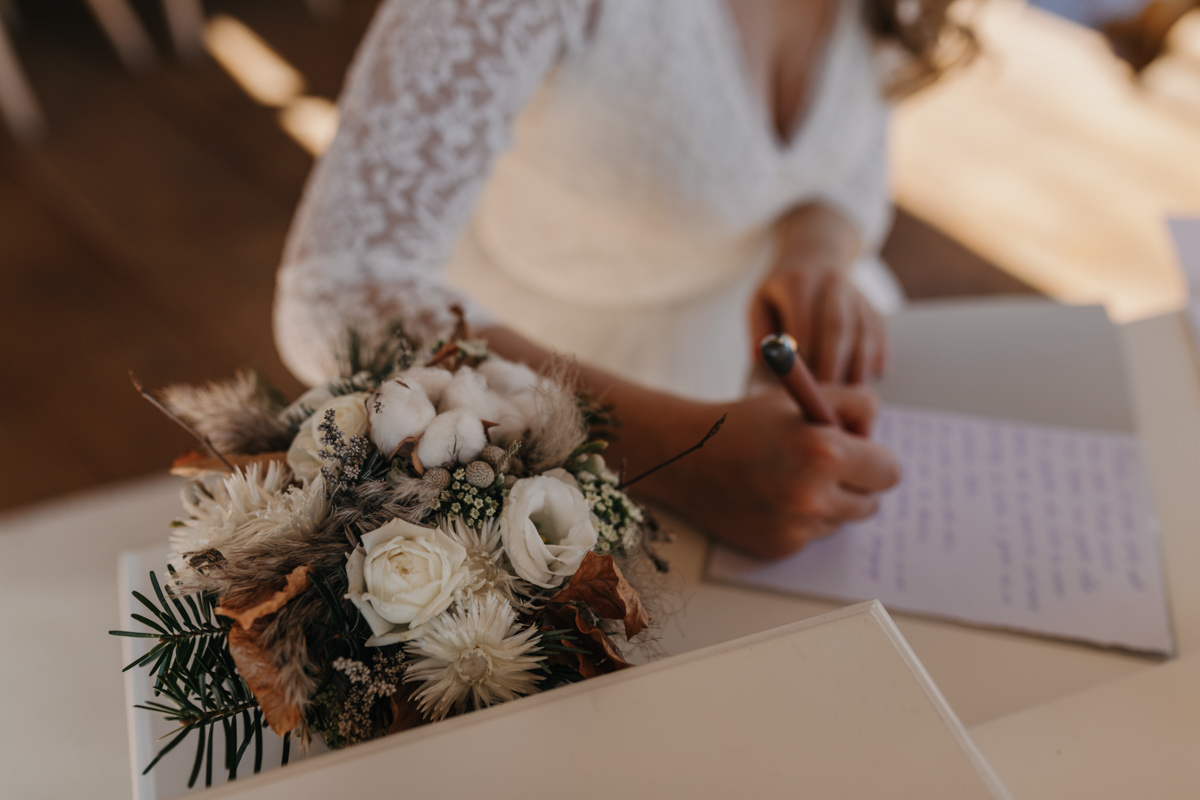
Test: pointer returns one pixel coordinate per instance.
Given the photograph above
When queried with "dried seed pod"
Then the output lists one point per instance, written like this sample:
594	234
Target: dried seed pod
492	455
509	480
480	473
438	476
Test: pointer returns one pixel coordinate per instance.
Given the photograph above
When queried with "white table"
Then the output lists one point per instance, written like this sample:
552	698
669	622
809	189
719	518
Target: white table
59	597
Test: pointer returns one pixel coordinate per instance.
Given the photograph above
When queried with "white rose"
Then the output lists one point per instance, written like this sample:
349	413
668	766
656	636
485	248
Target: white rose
453	437
402	576
350	416
398	411
546	526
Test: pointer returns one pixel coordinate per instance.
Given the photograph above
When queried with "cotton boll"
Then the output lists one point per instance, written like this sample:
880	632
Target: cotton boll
399	411
507	377
432	379
469	390
453	437
511	422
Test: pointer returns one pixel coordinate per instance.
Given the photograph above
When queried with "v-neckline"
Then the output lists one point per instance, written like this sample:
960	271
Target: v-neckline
782	143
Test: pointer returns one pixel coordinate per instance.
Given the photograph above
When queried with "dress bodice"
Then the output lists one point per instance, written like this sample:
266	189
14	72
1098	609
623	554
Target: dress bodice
606	154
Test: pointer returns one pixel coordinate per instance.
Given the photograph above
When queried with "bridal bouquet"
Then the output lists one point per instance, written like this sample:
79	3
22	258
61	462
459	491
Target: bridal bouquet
418	539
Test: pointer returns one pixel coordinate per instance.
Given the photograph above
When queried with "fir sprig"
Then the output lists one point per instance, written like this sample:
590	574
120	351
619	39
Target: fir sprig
196	681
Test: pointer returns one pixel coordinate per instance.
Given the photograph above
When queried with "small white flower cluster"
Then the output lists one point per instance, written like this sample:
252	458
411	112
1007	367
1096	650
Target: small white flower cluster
618	519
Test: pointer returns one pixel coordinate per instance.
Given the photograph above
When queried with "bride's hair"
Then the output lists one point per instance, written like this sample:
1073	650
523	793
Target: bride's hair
929	37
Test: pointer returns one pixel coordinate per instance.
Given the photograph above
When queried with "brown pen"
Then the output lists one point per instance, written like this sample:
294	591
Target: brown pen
779	351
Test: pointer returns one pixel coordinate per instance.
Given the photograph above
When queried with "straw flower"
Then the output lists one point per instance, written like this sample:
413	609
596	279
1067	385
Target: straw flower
475	656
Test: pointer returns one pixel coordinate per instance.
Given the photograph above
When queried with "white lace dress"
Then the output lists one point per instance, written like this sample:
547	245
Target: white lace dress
596	174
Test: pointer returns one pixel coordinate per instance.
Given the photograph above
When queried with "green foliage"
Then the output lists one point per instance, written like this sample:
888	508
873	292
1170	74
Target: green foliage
379	359
556	670
196	682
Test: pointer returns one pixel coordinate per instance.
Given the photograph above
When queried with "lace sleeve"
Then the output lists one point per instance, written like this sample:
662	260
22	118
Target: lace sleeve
429	103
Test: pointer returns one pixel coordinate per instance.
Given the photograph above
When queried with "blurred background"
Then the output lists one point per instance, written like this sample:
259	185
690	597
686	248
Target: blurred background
153	151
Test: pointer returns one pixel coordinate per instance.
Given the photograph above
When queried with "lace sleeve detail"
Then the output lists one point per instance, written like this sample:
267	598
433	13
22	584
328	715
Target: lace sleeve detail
429	103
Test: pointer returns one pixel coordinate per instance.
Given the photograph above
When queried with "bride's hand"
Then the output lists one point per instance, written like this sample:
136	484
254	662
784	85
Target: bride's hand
840	335
769	483
809	295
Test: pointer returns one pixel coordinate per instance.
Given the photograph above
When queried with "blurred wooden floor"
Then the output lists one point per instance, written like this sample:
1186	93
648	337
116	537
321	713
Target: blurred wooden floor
142	233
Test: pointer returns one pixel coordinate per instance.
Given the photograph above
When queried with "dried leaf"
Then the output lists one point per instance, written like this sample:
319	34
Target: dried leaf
599	583
595	654
246	616
195	463
260	673
404	711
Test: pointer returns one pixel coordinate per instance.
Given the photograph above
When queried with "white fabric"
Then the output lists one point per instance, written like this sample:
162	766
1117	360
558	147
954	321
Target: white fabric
597	174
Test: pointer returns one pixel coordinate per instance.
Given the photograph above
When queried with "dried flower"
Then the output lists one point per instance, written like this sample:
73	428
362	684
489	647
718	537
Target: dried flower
350	417
453	437
490	572
475	656
399	410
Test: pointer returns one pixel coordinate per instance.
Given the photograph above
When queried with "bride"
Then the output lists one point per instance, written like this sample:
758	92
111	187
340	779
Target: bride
647	185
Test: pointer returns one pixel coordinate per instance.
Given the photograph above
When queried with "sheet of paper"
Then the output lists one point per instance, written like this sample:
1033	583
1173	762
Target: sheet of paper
1035	527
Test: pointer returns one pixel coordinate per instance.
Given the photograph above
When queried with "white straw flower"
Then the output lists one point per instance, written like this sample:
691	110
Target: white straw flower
476	655
485	557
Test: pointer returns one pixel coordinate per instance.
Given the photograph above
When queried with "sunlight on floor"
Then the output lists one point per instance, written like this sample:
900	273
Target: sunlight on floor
1046	158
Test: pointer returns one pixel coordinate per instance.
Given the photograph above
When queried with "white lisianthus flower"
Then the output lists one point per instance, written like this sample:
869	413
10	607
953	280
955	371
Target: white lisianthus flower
350	415
475	656
453	437
398	411
402	576
546	526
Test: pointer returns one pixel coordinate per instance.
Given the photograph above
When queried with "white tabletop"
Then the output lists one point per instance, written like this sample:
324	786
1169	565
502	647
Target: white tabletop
58	592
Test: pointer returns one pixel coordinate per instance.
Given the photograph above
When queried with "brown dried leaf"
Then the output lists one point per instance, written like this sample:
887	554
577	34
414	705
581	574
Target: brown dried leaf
404	711
260	673
194	463
595	654
246	616
599	583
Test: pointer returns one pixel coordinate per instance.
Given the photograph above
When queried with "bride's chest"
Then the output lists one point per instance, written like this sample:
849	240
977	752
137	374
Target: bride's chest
660	100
